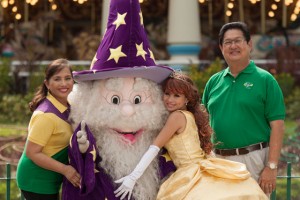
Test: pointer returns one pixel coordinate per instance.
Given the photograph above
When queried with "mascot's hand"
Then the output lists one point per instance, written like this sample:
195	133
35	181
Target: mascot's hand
82	140
128	183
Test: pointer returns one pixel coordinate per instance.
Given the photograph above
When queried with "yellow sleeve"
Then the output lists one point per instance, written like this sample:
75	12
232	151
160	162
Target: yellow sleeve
41	127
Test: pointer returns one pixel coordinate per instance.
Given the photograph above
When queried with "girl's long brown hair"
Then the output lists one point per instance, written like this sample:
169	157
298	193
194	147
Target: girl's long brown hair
53	68
180	83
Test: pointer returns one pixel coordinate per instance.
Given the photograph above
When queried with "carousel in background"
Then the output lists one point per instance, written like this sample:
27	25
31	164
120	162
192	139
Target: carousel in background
46	29
43	30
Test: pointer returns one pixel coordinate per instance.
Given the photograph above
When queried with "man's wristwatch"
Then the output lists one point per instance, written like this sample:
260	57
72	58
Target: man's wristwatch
272	165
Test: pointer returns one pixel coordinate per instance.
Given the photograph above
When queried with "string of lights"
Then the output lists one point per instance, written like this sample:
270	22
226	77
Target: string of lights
271	10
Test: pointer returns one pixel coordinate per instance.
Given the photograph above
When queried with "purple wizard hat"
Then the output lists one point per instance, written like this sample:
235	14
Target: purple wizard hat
124	50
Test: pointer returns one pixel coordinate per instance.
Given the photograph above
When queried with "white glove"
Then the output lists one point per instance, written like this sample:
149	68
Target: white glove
83	143
129	181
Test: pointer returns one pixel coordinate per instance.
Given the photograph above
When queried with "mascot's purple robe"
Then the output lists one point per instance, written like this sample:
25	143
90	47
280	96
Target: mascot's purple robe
95	183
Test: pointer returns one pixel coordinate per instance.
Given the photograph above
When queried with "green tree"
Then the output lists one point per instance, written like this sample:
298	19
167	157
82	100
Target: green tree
6	80
200	77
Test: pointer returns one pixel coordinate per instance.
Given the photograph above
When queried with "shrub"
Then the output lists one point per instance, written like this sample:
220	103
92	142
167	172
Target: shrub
293	104
14	108
201	77
286	82
281	189
35	80
6	81
14	190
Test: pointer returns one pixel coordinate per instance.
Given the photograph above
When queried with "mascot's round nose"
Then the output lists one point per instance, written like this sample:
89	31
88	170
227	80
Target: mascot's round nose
127	109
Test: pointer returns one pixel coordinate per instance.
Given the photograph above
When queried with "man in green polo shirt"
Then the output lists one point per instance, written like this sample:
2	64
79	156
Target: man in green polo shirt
246	108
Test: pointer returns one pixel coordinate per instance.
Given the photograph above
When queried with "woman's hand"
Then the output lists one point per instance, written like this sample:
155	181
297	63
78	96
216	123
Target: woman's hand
126	187
72	175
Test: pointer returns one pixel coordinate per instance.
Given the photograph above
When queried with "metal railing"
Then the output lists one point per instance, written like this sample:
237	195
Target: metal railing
288	178
8	180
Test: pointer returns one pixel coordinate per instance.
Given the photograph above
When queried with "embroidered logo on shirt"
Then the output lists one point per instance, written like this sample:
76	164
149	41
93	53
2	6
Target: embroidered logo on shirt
248	85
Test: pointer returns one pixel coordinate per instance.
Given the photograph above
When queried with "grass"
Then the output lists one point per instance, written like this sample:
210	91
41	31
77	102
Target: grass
12	130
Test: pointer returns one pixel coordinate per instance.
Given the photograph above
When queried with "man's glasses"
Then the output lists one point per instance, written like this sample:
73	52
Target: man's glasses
238	42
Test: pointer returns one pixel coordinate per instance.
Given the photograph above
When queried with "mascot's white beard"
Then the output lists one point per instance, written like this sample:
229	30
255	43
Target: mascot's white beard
119	157
119	161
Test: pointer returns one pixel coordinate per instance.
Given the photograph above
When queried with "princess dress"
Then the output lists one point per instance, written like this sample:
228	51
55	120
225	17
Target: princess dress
199	177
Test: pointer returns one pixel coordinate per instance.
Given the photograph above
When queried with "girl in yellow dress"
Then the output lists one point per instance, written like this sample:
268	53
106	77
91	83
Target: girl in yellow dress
186	135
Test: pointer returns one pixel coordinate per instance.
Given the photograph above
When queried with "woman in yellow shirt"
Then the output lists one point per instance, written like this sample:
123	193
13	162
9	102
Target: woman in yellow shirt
44	161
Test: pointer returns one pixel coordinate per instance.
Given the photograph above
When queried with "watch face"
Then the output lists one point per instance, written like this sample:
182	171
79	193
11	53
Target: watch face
272	166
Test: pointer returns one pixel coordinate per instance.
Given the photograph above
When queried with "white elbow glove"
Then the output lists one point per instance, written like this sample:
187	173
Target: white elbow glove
129	181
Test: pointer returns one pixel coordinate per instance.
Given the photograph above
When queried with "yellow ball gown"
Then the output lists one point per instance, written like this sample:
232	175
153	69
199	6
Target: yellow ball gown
199	177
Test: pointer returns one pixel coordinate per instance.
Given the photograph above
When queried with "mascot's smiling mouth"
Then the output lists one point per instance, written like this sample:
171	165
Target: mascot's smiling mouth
130	136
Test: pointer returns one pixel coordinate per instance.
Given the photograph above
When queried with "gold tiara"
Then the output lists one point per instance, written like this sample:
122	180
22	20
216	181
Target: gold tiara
178	74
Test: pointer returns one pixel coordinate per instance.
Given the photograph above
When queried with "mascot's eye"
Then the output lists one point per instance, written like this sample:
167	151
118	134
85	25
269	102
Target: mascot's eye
137	99
115	99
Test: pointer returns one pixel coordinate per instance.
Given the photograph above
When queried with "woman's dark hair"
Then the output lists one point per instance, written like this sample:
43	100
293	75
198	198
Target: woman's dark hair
234	25
182	84
53	68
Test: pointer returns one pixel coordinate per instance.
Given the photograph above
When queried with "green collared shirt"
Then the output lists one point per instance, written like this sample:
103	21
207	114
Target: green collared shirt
241	108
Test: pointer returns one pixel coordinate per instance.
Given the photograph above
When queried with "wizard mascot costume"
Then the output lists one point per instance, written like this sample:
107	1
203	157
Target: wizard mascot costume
117	111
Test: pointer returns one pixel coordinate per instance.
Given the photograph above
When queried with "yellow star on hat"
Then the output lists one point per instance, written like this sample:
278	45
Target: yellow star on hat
151	55
94	60
140	50
116	54
120	20
141	18
121	47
